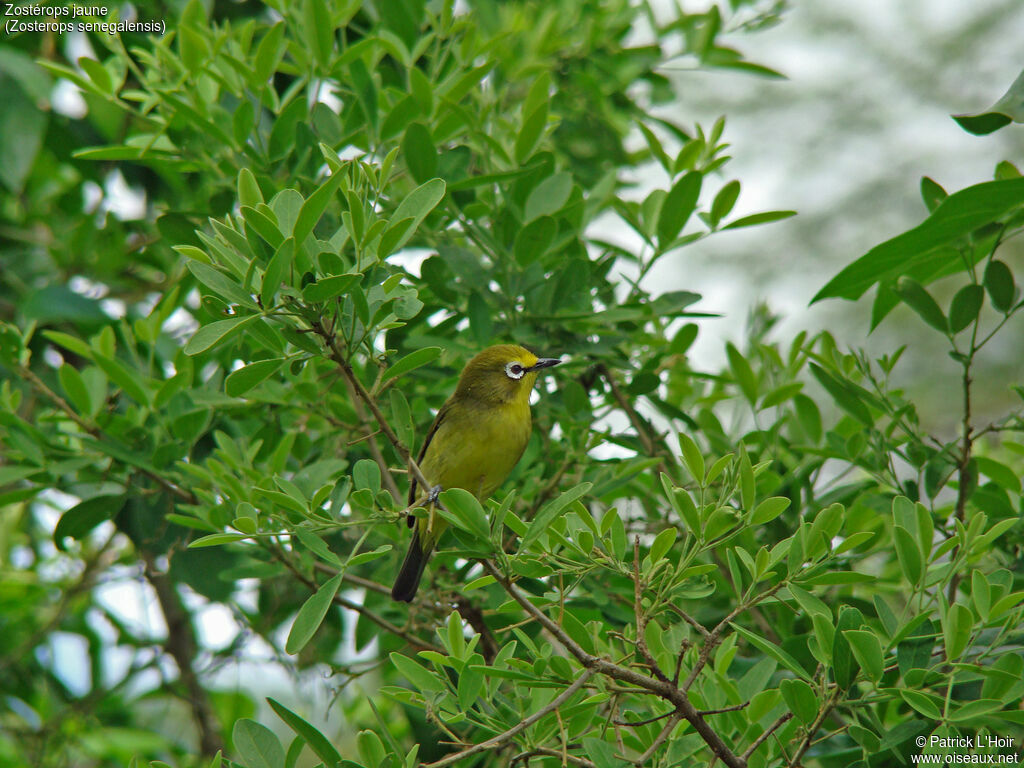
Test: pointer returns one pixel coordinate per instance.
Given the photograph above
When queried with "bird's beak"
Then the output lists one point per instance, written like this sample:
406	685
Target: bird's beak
545	362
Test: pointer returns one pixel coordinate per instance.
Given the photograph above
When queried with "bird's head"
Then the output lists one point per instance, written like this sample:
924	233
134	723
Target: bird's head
502	373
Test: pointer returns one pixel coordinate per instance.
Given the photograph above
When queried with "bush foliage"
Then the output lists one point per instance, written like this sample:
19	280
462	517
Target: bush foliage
774	564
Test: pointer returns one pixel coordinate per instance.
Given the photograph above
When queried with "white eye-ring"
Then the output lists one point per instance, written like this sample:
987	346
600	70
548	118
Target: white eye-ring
514	370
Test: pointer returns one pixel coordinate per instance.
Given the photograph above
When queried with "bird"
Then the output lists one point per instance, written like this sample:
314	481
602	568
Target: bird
476	439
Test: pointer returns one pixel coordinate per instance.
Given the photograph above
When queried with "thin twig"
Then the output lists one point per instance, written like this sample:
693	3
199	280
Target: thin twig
93	429
344	602
643	430
645	721
733	708
767	734
665	690
508	735
805	744
641	620
182	647
715	636
660	739
371	441
338	357
545	752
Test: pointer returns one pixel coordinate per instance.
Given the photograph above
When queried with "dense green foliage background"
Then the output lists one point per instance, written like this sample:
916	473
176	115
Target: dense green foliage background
771	564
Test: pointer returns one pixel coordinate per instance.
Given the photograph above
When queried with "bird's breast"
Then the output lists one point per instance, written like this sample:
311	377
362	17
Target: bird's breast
476	448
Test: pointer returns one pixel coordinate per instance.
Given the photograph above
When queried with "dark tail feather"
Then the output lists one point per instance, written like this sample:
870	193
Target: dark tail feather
409	576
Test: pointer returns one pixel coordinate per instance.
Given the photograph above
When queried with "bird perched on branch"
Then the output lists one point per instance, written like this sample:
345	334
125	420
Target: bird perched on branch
477	438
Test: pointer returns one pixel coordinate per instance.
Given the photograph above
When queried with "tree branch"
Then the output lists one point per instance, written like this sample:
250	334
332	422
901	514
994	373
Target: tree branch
344	602
181	645
766	735
659	740
349	374
666	690
93	429
508	735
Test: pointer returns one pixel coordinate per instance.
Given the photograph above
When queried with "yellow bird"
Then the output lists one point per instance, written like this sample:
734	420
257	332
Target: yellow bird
477	438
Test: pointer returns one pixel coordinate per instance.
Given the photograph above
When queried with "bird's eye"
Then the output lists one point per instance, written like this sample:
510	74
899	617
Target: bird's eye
514	371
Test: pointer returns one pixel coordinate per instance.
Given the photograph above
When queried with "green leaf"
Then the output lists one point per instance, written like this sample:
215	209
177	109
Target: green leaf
724	201
366	474
214	333
679	205
602	753
533	240
98	74
846	395
76	390
662	544
908	554
411	362
843	666
692	457
419	152
248	189
549	513
311	615
974	709
1009	108
463	509
216	539
999	284
769	509
257	745
868	652
781	394
766	646
932	193
261	219
280	263
315	205
127	380
766	217
422	90
918	299
328	288
70	343
965	307
245	378
958	215
319	31
922	703
366	91
424	680
397	233
78	521
317	742
222	285
742	372
193	48
548	197
530	133
800	698
418	204
957	626
809	603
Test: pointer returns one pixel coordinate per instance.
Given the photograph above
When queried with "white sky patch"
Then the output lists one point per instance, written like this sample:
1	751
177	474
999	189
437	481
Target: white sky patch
133	602
410	259
66	99
67	656
121	200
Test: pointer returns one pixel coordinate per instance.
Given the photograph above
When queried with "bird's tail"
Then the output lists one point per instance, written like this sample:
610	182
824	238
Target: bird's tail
409	576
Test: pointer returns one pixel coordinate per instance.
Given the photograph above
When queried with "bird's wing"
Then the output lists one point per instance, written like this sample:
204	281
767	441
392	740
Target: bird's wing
441	415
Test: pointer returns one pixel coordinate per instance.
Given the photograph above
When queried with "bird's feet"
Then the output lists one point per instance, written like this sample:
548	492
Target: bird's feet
434	493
